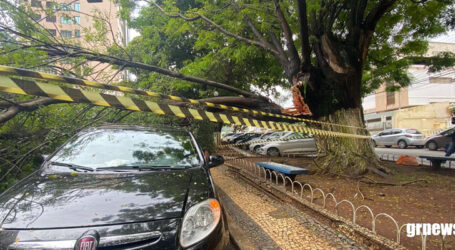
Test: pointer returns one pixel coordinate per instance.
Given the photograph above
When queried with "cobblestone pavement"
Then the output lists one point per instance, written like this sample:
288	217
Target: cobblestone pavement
272	224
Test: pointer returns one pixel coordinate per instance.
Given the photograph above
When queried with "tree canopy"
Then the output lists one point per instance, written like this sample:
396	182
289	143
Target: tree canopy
262	43
329	52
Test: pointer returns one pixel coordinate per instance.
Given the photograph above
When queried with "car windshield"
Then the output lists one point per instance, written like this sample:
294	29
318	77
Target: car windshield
448	132
275	135
122	148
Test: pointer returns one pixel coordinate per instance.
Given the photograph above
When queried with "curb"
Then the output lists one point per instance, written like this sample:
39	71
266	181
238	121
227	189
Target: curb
237	236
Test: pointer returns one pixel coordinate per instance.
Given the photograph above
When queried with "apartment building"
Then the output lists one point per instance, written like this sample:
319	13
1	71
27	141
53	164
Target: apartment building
79	22
427	98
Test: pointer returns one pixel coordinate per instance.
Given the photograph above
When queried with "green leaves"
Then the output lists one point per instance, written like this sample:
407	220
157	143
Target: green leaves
401	36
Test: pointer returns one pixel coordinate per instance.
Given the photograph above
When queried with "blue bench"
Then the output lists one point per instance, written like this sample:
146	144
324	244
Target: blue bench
287	170
436	160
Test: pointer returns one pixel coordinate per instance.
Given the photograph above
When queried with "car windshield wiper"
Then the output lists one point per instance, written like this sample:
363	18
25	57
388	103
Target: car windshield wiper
71	166
138	168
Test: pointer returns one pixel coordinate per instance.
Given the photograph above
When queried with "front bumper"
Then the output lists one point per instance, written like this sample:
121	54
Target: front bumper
161	234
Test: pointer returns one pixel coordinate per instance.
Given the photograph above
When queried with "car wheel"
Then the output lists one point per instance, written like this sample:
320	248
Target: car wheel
432	145
374	143
402	144
388	146
419	146
256	149
274	152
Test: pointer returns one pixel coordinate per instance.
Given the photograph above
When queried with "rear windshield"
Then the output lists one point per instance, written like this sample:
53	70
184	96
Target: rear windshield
118	147
413	131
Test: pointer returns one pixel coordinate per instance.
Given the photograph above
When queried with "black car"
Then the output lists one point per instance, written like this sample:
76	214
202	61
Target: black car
440	140
249	138
242	137
117	187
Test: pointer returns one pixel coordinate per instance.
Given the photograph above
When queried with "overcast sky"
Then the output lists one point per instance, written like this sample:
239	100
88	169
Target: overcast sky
447	38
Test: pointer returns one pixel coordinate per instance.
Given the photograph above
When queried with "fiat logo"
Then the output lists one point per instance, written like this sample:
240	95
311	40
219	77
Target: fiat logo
88	241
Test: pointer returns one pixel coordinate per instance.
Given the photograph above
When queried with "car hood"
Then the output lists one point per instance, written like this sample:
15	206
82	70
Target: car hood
79	200
433	137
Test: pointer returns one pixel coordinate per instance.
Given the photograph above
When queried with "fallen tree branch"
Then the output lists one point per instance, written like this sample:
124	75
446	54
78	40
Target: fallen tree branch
12	109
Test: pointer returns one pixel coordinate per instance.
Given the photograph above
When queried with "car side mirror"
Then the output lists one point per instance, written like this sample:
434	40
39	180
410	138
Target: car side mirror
215	160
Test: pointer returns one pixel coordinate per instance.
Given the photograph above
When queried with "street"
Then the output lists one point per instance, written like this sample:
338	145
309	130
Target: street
408	151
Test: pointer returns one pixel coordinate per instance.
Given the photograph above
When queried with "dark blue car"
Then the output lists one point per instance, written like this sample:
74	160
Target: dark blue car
117	187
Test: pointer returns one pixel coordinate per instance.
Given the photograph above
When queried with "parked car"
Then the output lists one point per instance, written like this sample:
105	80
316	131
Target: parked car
229	139
440	140
295	146
402	137
226	136
247	139
274	136
117	187
241	137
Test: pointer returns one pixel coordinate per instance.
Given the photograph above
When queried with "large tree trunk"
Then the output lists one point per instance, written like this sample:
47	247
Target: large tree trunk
335	97
346	156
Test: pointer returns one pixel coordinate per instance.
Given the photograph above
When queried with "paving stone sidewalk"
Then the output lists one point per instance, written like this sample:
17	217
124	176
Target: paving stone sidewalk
272	224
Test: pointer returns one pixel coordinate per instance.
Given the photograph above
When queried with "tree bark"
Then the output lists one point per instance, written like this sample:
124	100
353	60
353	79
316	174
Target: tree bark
333	95
346	156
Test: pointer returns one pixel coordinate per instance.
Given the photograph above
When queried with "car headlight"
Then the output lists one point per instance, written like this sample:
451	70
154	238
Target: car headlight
199	221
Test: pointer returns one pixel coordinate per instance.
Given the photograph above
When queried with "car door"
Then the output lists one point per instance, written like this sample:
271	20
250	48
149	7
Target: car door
445	139
291	145
303	145
395	135
382	137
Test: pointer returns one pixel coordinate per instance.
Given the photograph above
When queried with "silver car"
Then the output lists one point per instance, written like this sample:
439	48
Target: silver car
275	136
297	146
402	137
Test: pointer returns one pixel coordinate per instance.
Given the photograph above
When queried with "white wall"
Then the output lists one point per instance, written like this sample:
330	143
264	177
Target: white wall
422	92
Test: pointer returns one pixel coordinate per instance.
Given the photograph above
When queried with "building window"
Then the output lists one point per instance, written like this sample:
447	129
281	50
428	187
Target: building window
77	19
66	33
390	98
77	7
65	6
66	20
51	19
35	3
390	93
77	33
52	31
51	5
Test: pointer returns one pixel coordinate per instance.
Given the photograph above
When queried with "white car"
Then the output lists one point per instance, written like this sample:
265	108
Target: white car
254	147
297	146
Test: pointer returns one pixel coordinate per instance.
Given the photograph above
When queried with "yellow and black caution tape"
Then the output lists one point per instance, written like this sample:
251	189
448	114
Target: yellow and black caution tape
262	141
70	80
31	87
